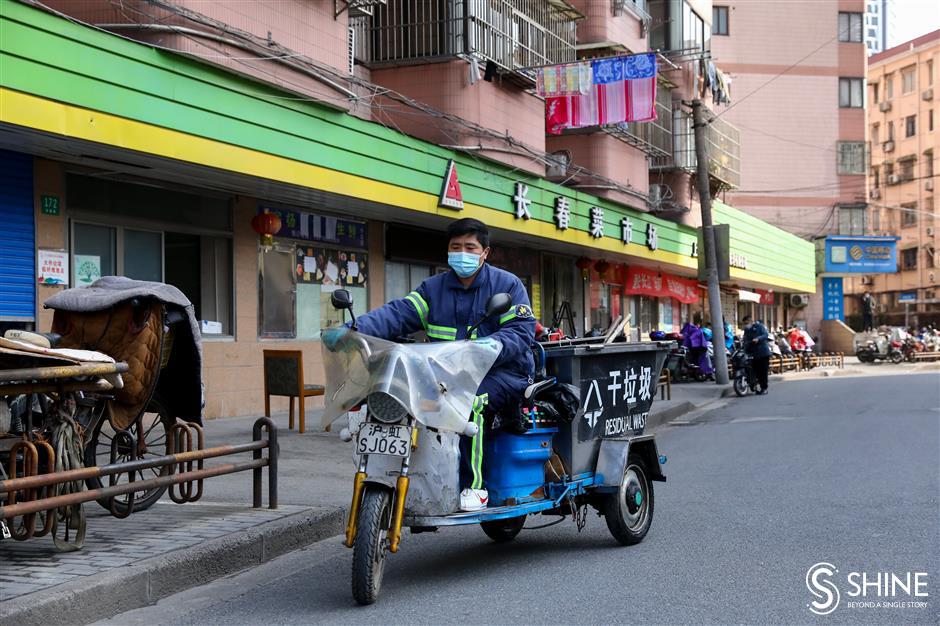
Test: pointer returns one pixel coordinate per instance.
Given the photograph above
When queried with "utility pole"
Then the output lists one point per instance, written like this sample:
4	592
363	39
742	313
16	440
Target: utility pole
711	254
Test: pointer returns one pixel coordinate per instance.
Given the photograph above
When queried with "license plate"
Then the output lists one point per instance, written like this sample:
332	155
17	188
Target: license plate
383	439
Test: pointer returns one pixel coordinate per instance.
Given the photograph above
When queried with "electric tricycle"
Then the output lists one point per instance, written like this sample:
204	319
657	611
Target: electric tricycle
408	405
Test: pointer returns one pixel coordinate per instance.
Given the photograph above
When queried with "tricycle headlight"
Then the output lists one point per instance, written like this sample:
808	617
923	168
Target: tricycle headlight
385	408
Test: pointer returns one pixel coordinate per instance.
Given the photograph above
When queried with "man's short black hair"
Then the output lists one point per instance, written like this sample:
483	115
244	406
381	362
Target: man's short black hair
469	226
746	318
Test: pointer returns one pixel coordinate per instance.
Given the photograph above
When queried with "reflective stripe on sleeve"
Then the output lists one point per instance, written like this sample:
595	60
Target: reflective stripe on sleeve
420	306
443	333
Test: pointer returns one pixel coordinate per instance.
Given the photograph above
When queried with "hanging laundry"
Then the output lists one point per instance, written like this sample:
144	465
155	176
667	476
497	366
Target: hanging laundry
564	80
623	89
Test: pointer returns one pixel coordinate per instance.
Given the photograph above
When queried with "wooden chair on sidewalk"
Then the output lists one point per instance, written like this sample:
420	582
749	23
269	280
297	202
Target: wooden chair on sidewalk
284	376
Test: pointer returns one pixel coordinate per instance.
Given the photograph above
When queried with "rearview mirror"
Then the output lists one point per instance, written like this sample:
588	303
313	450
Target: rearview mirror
340	299
498	304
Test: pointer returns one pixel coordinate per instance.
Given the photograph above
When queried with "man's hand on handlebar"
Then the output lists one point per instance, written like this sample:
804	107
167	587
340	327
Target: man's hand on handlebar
331	337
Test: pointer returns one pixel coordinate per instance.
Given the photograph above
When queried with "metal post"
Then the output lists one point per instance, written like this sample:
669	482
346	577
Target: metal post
273	451
907	315
708	236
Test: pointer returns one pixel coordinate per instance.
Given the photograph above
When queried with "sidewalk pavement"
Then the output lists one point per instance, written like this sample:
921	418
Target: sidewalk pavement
133	562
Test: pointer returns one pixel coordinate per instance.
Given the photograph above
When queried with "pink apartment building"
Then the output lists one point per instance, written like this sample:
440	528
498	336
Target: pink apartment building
798	99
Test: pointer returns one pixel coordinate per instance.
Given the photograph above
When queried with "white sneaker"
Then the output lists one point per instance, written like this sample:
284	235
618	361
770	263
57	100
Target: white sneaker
473	499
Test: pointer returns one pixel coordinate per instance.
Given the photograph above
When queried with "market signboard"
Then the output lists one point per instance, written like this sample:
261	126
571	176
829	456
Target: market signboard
861	255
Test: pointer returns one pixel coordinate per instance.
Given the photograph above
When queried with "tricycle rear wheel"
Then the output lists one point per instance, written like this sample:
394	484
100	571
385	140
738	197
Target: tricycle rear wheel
503	530
629	510
371	544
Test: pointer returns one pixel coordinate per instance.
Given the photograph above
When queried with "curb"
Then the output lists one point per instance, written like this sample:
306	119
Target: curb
658	418
144	583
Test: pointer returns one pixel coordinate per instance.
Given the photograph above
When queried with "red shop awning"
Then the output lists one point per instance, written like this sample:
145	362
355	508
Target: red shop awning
647	282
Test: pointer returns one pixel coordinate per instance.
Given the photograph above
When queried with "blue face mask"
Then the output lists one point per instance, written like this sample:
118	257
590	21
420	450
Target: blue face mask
465	264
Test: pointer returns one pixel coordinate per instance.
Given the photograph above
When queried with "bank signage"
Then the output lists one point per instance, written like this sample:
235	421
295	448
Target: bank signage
861	255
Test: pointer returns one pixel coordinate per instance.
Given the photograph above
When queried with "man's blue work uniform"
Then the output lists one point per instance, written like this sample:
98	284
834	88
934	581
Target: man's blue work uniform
446	310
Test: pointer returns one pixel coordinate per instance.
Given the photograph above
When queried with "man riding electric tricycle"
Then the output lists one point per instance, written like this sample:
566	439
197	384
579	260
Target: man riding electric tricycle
559	429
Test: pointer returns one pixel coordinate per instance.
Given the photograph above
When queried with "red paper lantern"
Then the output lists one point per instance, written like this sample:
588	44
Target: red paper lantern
267	225
584	265
602	266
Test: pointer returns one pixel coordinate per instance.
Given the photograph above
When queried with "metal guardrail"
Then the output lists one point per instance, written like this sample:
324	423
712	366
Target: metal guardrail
722	145
185	468
512	34
927	356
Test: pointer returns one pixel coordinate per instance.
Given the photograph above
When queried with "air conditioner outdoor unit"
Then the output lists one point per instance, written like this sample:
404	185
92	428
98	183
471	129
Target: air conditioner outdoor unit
894	179
888	146
799	300
928	185
657	192
928	94
558	163
884	106
875	193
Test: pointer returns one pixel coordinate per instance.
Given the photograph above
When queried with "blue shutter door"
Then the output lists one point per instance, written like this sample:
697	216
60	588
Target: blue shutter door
18	248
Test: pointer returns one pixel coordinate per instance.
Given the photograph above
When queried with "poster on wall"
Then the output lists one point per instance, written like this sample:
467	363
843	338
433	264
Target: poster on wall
331	269
87	269
53	266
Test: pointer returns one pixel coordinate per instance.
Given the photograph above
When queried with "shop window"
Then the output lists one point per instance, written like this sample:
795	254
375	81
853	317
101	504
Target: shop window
403	278
600	306
562	292
909	259
320	271
155	234
851	92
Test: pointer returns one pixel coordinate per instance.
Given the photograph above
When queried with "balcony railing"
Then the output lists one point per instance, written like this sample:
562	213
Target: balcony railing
722	145
513	34
653	138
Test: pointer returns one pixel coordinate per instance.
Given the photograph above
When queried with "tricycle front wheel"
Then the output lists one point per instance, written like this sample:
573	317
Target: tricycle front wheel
371	544
629	510
503	530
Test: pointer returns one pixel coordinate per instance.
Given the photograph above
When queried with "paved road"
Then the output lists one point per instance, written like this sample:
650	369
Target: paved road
760	489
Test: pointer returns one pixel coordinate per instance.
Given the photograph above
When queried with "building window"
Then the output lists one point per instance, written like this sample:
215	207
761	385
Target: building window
719	20
876	133
910	125
909	259
851	92
889	172
928	164
695	35
851	157
874	93
850	27
890	136
158	234
876	176
928	72
909	214
930	120
907	169
852	220
875	220
908	79
889	86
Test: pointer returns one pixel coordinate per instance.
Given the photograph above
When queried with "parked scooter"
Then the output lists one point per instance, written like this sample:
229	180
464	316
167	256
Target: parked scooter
880	349
743	373
681	369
